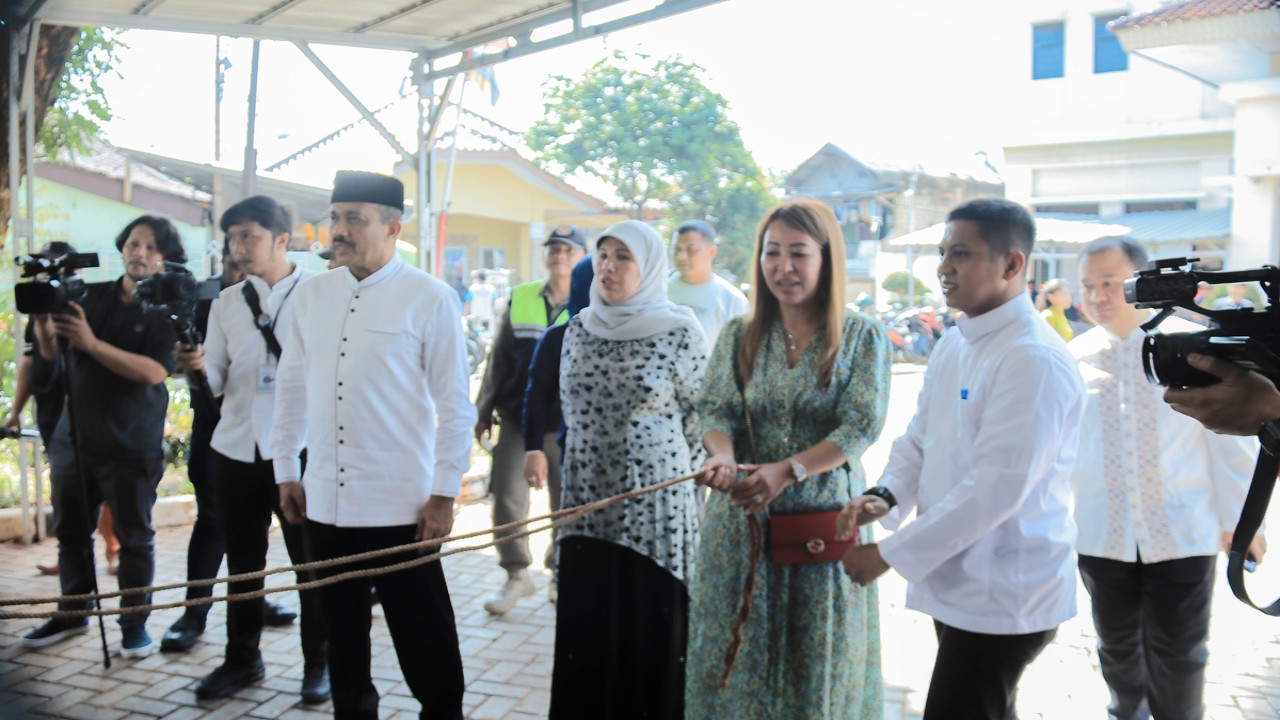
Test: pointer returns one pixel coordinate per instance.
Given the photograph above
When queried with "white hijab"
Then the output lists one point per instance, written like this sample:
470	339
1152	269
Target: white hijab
647	312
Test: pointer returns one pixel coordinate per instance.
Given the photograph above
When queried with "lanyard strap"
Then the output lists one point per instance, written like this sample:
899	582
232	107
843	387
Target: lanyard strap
261	320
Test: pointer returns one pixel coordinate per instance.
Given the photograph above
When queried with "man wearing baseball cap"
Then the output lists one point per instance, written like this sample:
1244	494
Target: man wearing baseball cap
534	307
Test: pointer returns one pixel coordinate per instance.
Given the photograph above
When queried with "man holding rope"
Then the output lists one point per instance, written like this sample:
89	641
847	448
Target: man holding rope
373	382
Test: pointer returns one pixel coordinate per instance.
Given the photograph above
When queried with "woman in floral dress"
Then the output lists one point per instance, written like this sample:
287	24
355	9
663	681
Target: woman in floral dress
815	384
630	370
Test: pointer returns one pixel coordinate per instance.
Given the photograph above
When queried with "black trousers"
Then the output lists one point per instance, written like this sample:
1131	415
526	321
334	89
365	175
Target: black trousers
419	615
247	493
1153	629
622	625
975	676
128	487
205	548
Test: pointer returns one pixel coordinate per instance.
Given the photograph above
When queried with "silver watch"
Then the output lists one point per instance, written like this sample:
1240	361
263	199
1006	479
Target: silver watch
797	469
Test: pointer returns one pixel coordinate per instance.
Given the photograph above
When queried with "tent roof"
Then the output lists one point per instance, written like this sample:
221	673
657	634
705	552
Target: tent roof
435	28
1069	229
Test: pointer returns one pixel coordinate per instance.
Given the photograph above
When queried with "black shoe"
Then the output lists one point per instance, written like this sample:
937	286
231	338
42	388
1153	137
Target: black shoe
274	615
315	684
182	636
230	677
54	631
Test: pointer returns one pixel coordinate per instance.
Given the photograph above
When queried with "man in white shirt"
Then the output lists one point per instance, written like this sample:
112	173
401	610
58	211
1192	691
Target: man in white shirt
714	300
482	295
986	465
239	359
1157	495
373	382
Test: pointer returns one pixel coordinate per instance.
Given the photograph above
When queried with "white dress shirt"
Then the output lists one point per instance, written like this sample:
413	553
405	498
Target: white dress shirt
373	383
986	464
236	358
1149	481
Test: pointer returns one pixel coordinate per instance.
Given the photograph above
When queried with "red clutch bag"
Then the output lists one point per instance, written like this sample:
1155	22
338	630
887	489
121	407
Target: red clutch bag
806	538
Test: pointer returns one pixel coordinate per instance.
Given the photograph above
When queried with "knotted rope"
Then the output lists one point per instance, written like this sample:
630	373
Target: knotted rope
557	518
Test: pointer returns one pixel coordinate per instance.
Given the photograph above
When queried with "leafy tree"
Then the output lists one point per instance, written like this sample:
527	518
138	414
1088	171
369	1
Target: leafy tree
897	283
654	132
69	103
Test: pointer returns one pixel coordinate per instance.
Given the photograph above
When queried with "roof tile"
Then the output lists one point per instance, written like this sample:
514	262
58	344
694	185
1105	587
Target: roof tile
1194	10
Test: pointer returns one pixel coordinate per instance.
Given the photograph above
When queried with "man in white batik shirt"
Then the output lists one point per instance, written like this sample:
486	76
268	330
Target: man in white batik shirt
1157	496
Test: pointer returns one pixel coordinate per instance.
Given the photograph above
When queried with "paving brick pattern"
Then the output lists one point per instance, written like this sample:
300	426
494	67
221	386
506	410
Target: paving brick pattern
507	660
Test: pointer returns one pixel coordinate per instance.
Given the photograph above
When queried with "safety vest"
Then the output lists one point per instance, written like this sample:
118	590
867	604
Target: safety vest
529	311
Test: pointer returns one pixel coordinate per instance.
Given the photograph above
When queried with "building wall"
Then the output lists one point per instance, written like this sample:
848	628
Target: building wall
1143	134
91	223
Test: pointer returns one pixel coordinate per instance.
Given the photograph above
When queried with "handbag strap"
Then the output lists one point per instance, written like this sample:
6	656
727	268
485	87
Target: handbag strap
1255	509
255	308
757	552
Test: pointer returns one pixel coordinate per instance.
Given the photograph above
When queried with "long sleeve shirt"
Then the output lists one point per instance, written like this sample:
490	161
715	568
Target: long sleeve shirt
373	382
986	464
1149	482
240	369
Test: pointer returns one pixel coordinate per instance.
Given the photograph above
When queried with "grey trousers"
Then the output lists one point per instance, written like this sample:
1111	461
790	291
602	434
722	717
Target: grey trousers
1153	627
509	492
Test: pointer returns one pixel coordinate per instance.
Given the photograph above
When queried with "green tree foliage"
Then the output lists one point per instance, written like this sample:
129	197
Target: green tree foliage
896	283
80	106
654	132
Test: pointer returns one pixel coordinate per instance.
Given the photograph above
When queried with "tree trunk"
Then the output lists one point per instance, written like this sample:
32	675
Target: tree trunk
54	46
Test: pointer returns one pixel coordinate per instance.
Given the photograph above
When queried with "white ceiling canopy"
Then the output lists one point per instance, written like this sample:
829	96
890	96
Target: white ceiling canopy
439	30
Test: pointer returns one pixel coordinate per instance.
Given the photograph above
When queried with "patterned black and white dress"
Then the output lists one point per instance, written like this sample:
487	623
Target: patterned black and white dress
621	623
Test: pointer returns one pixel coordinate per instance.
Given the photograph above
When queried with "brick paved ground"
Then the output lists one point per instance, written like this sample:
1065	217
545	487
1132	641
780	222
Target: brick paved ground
508	660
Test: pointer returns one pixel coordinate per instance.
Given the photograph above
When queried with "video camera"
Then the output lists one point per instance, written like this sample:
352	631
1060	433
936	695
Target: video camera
174	291
59	286
1247	338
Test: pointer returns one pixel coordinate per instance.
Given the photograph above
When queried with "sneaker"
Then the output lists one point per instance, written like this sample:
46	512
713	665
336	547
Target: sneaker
275	615
55	631
230	677
518	585
553	592
182	636
136	643
315	683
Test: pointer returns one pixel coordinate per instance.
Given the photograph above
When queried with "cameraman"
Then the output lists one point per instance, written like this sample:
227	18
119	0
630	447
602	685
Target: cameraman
1239	405
118	357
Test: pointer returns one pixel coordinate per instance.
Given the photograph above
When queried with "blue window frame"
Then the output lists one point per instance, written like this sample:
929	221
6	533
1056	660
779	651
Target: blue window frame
1046	51
1108	56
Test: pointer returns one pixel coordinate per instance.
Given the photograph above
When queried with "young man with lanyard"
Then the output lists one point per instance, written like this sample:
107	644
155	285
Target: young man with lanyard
986	465
374	382
534	307
240	358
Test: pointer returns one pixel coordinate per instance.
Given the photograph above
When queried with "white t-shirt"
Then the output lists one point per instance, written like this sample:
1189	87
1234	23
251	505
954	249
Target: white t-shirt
715	302
482	300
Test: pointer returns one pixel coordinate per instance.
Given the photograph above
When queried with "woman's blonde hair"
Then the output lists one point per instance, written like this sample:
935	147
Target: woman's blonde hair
813	218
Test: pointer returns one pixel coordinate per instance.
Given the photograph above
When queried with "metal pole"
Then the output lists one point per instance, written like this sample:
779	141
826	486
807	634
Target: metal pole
448	184
217	98
29	134
421	201
248	182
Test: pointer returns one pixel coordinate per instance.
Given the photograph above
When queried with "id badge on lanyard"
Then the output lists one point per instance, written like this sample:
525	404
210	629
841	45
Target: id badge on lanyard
267	378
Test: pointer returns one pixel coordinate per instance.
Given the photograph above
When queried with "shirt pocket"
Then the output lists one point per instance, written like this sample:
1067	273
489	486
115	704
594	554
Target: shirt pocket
389	345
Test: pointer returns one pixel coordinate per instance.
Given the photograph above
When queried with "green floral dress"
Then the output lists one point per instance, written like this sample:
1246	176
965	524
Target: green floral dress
811	646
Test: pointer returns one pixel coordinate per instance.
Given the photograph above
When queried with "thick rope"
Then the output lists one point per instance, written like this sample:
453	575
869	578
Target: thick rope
744	605
558	517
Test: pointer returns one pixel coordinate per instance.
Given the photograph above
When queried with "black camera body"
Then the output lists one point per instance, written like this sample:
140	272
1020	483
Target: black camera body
1247	338
59	286
175	291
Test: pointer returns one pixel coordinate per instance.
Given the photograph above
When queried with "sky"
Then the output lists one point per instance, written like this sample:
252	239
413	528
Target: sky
927	81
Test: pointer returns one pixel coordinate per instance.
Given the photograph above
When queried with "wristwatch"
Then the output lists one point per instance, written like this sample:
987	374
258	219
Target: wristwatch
882	493
797	469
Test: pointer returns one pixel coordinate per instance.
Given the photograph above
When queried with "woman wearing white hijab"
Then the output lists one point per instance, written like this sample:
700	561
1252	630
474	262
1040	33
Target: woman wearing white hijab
630	372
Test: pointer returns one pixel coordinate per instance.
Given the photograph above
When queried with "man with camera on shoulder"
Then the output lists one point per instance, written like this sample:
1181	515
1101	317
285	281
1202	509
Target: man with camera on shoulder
118	358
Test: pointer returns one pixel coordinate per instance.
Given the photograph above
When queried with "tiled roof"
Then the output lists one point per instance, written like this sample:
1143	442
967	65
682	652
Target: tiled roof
1160	226
1194	10
105	159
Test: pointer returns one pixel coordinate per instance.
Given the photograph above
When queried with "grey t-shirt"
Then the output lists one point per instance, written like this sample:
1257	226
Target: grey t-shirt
715	302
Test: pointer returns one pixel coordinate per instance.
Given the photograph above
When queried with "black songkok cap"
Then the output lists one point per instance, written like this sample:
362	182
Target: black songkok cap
367	187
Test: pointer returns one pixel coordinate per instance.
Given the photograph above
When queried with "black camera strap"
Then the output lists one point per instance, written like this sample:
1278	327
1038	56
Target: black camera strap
1255	509
262	322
